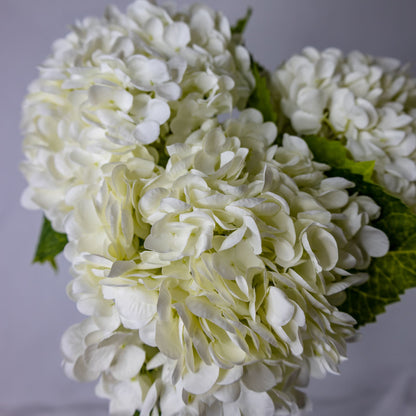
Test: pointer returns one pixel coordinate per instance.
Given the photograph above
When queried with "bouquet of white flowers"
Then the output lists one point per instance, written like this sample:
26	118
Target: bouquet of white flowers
228	228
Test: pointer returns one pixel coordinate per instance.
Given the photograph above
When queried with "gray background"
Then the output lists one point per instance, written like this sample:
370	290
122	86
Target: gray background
379	379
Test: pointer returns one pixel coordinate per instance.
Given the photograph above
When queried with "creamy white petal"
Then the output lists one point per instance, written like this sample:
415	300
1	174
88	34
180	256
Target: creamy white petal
279	309
201	381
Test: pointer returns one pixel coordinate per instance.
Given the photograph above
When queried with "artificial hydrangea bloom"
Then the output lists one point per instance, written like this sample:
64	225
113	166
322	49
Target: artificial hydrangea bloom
209	260
114	89
117	358
366	100
225	278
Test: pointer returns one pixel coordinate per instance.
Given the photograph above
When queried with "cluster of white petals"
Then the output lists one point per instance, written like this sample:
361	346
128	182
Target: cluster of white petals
208	260
369	102
116	88
225	279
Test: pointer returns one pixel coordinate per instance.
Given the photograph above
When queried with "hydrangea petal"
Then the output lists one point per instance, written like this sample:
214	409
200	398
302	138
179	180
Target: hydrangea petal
257	377
128	362
136	306
279	309
374	240
147	132
202	380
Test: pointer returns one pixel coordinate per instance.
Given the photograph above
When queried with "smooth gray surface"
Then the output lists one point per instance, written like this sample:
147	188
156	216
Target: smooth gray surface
379	379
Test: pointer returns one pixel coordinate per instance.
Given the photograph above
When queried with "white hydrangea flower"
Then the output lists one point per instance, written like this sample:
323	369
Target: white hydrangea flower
116	357
366	100
105	222
115	88
246	251
208	260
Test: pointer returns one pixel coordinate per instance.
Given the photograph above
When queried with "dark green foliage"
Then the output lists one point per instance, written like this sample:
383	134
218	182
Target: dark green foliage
261	98
50	244
241	24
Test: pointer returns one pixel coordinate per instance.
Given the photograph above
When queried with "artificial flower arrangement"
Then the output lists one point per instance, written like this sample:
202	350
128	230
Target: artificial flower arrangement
222	257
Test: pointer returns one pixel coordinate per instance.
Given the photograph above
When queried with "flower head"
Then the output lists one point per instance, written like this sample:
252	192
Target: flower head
366	100
237	280
115	88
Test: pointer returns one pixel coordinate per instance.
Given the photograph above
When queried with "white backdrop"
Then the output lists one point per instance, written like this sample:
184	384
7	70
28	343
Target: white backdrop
379	379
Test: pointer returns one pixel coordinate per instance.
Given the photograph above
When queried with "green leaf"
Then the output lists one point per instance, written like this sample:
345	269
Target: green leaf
337	156
390	276
50	244
261	98
241	24
394	273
